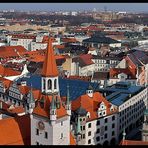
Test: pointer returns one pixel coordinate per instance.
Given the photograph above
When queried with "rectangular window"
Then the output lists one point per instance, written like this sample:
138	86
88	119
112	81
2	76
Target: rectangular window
46	135
98	138
98	131
113	118
61	135
113	133
89	125
113	125
89	141
105	128
98	122
83	136
106	120
61	123
83	127
37	143
89	133
37	131
105	136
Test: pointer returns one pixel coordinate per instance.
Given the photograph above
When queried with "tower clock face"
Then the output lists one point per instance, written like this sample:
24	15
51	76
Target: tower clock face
41	125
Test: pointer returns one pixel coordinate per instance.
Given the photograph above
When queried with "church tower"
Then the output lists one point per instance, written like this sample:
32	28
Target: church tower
50	81
68	104
50	124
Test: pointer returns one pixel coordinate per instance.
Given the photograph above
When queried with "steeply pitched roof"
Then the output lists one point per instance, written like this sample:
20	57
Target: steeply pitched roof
91	104
49	66
84	60
138	58
45	109
15	131
115	71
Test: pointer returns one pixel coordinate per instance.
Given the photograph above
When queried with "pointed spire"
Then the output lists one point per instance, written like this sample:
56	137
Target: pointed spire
90	87
53	103
49	66
68	95
31	99
78	127
124	134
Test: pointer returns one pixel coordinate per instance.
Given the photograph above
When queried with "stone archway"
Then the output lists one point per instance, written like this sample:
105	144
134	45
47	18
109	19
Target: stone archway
113	141
105	143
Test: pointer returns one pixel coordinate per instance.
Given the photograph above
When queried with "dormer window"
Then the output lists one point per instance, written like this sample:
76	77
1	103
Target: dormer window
88	115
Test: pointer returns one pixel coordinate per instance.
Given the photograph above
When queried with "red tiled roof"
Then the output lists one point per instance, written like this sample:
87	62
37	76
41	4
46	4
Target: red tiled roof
49	66
133	142
24	89
45	111
15	131
91	104
10	51
17	110
84	60
70	40
23	36
8	71
115	71
72	140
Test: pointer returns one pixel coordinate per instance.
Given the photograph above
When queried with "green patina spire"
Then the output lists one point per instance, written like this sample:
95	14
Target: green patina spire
53	103
31	98
68	95
78	127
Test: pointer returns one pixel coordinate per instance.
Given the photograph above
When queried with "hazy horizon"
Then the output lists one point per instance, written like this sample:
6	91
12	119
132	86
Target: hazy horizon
128	7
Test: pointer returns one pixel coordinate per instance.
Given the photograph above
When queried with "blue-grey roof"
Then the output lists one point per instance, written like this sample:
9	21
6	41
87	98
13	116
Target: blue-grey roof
76	87
121	91
101	39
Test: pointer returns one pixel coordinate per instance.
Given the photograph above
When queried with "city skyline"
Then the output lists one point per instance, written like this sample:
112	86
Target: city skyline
128	7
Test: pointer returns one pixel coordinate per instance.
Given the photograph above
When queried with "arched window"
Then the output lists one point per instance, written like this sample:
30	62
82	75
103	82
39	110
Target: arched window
44	84
55	84
49	84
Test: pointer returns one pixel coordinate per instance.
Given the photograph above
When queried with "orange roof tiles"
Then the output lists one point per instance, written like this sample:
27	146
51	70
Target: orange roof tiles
11	51
115	71
133	142
24	89
70	40
13	131
17	110
8	71
45	110
72	140
49	66
23	36
91	104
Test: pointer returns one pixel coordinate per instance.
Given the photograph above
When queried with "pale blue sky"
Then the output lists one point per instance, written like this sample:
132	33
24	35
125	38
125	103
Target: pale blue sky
131	7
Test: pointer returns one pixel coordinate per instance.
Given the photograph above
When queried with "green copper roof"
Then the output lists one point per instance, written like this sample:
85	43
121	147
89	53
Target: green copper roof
146	112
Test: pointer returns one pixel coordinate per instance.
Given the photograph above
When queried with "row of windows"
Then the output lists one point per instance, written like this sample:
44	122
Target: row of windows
50	84
106	120
142	96
46	134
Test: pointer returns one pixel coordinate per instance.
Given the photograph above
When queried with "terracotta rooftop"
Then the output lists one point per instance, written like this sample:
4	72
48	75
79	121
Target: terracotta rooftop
133	142
91	104
15	131
49	66
45	110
